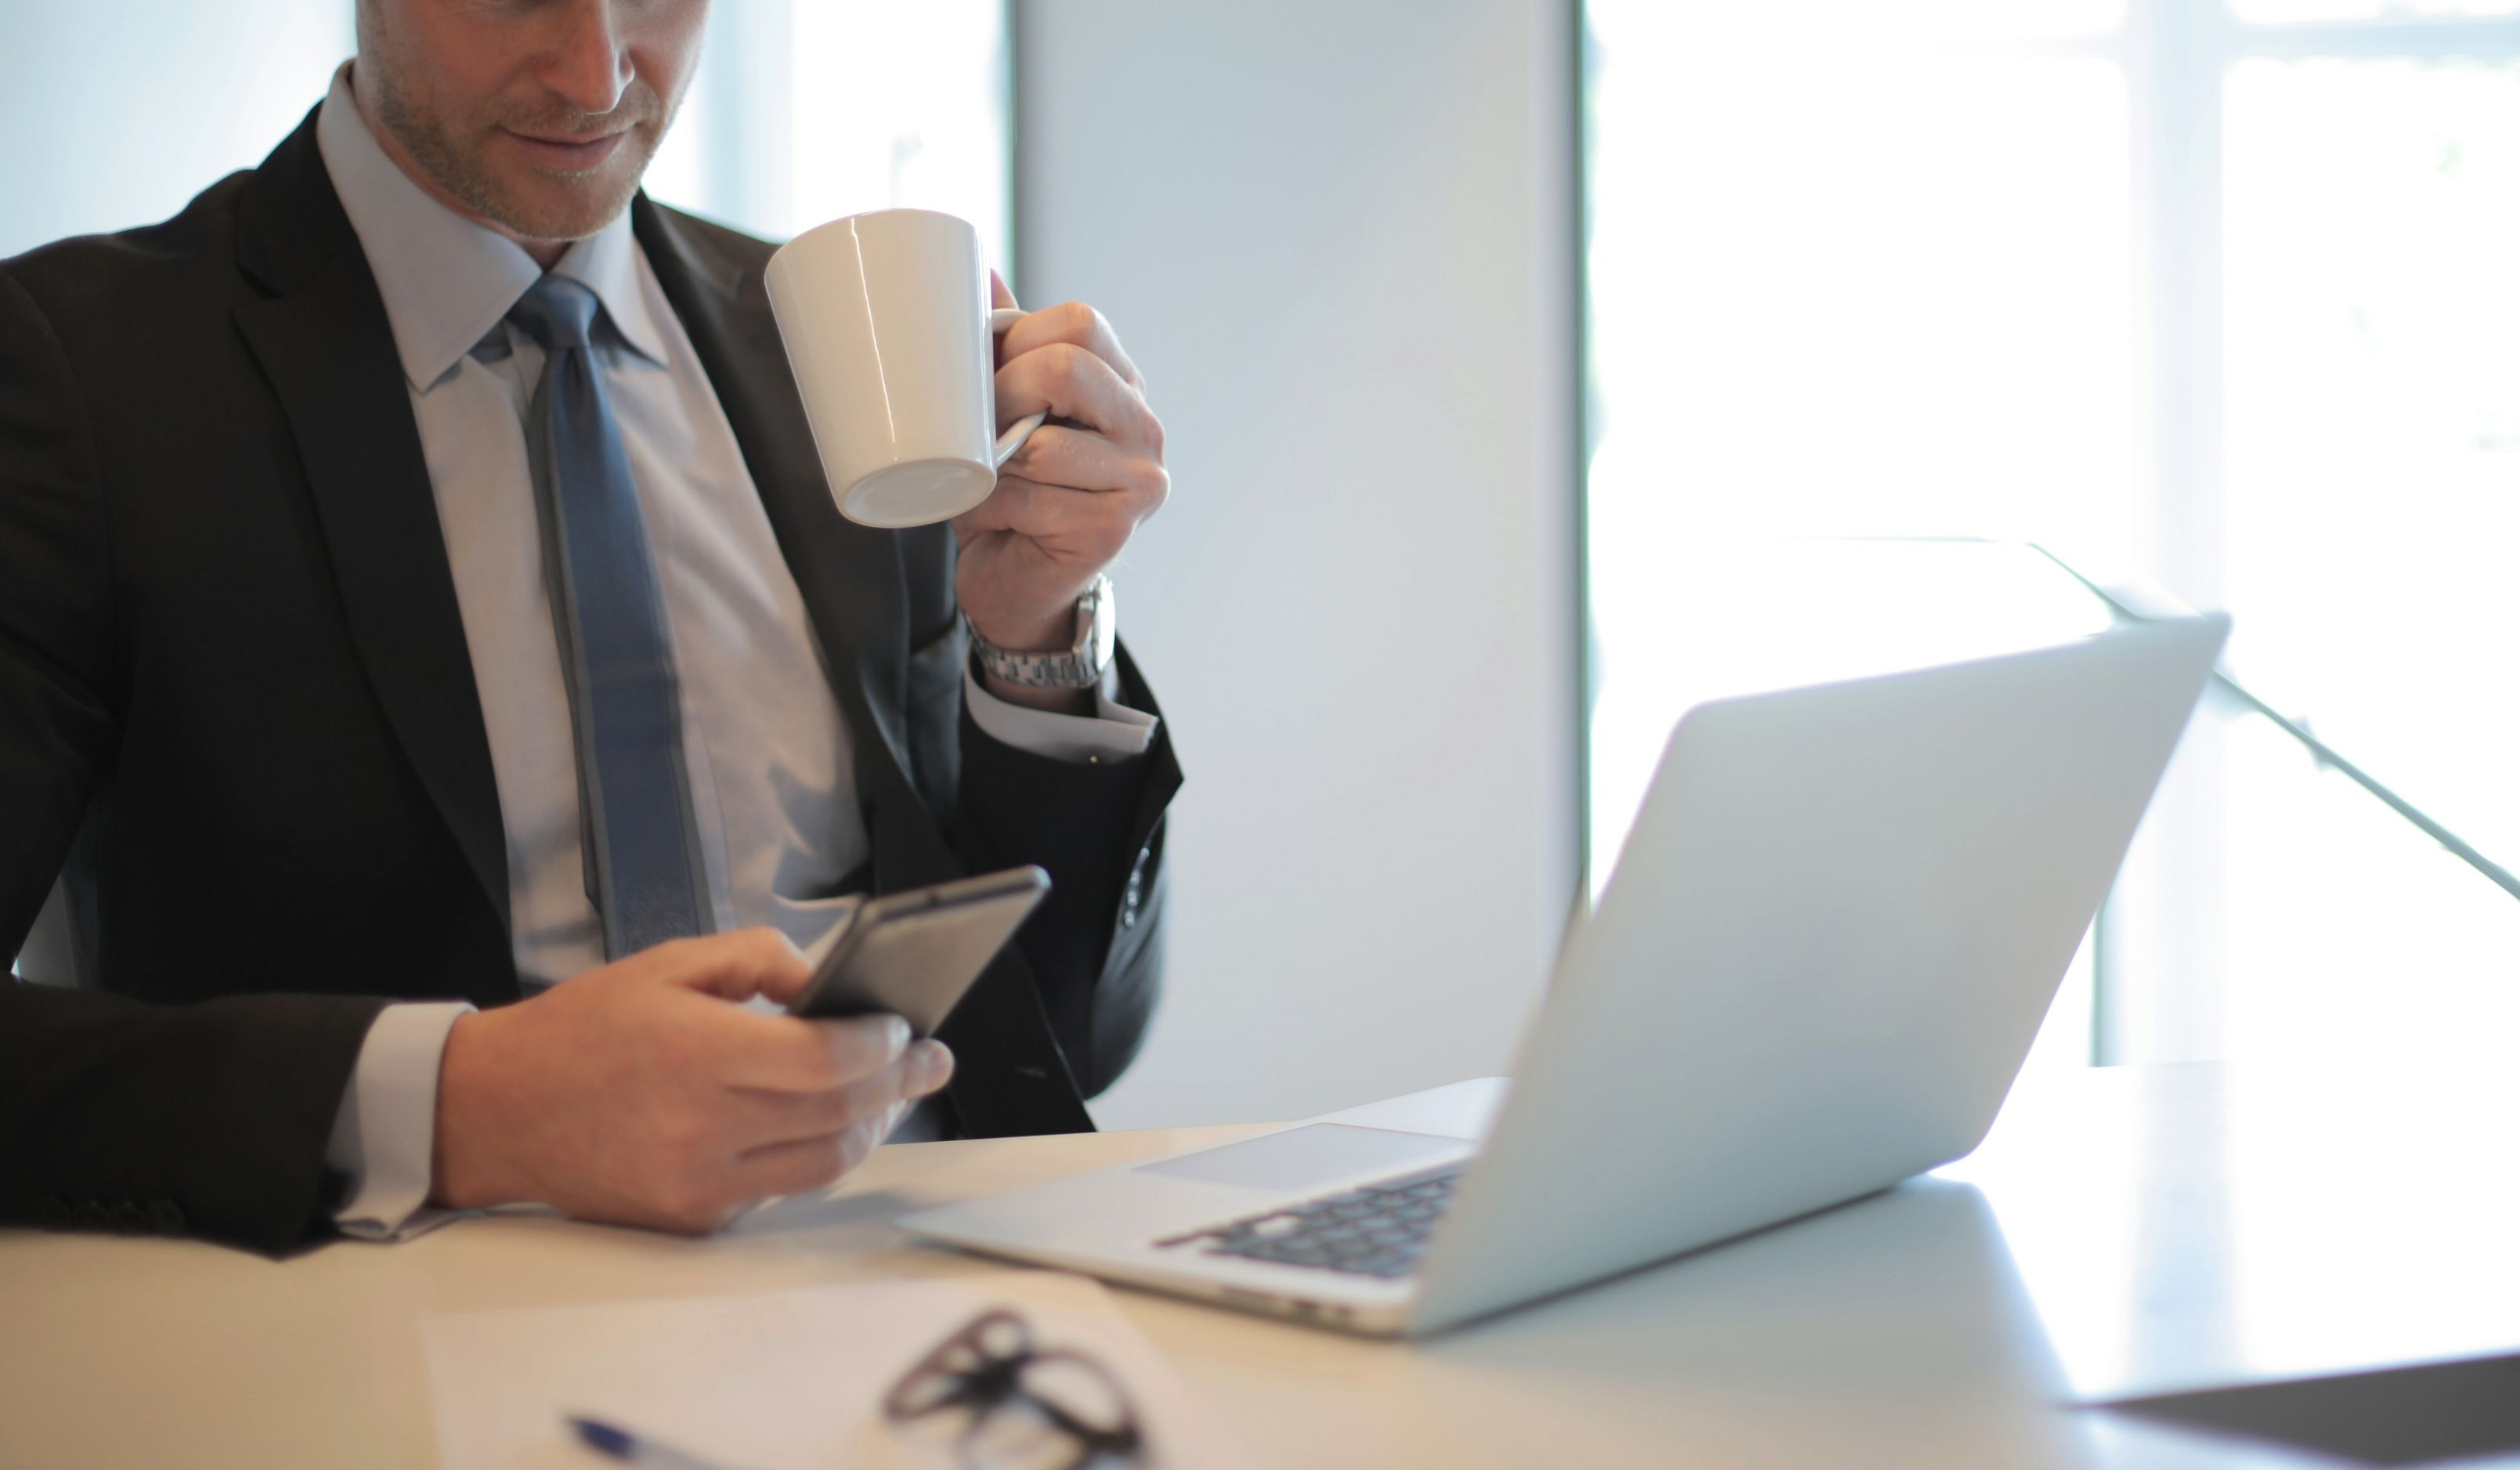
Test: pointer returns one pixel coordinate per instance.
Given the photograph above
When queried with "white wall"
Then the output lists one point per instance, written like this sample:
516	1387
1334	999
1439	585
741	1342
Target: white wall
117	112
1337	237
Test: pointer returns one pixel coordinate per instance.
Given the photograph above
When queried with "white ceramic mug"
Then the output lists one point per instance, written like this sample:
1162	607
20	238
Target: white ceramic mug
888	325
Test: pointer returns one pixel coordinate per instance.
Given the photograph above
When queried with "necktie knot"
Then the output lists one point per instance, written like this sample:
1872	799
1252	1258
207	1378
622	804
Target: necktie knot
556	313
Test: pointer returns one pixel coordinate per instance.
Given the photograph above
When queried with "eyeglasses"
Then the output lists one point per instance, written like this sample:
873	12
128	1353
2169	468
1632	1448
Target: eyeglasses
1007	1404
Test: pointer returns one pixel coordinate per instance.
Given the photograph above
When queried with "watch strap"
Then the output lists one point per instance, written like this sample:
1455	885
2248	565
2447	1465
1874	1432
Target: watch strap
1074	668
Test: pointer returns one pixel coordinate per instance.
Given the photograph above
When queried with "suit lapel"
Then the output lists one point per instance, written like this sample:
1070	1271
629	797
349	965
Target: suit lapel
850	576
325	343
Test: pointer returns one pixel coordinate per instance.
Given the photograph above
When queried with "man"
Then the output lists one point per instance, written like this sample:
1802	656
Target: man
315	711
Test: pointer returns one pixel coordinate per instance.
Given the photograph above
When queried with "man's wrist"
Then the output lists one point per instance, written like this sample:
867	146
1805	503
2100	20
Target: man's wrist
1080	661
1056	634
462	1174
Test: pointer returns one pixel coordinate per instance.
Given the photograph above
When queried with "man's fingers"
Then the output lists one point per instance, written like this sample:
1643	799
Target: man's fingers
1077	324
782	978
1074	384
838	1130
802	1165
732	967
1042	516
772	1117
1066	528
763	1118
788	1054
1081	459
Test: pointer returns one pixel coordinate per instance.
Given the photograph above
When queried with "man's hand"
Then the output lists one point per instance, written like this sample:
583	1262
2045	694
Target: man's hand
1070	498
643	1094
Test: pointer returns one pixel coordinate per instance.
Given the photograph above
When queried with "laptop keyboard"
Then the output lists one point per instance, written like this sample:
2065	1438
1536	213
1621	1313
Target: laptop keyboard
1378	1230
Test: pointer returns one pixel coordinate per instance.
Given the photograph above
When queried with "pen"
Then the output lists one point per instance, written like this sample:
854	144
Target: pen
616	1443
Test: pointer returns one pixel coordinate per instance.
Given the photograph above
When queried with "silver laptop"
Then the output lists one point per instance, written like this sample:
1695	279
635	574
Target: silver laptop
1829	942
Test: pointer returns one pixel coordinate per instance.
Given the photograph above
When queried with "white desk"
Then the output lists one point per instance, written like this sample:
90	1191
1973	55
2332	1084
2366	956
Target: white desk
2131	1228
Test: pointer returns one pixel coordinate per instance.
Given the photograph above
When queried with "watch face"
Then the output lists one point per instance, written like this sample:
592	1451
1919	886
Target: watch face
1104	637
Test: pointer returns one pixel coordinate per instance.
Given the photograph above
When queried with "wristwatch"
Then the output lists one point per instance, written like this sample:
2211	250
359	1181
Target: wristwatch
1097	632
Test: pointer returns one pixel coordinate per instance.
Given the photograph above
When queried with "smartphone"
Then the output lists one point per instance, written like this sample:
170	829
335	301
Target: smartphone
915	952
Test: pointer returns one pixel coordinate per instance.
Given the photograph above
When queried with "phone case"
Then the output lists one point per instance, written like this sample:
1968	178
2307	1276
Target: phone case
915	953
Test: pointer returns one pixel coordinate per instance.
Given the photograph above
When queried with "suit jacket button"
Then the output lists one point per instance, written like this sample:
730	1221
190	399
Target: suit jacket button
90	1217
53	1212
128	1219
168	1220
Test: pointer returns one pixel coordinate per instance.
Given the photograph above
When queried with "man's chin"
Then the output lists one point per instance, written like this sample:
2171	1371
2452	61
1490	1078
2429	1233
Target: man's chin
561	208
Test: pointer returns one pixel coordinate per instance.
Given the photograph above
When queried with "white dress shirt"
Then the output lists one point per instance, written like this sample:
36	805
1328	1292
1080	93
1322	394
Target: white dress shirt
765	749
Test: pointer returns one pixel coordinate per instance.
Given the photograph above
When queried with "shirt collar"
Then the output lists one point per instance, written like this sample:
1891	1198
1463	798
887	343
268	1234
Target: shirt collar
448	281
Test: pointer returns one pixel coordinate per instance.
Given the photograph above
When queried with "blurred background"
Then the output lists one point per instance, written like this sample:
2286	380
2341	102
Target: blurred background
1533	370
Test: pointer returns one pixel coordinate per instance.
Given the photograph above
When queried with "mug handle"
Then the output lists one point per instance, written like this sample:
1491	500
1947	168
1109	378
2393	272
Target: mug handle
1021	429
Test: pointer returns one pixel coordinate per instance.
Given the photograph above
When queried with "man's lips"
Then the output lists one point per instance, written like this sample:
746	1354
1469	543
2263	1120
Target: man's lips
564	157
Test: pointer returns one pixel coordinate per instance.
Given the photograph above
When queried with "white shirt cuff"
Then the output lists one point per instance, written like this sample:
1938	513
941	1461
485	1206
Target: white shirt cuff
387	1125
1113	731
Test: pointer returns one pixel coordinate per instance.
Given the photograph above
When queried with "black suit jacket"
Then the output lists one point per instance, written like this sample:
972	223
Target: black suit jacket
238	719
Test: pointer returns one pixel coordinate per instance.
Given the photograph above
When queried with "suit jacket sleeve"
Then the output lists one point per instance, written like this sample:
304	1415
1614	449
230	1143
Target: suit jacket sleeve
208	1119
1095	946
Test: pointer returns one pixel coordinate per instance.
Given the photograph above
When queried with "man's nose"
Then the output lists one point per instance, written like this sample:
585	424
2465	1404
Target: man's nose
588	65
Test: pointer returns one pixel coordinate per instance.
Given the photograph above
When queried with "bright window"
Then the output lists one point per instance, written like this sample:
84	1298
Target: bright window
2221	300
804	111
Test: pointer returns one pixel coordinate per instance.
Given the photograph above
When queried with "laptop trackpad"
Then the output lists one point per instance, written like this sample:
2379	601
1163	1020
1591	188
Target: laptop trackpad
1303	1157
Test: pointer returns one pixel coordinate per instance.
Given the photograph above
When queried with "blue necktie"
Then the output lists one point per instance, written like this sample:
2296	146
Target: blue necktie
643	868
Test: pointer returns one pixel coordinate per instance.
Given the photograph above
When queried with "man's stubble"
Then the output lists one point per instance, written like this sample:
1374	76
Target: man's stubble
451	155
